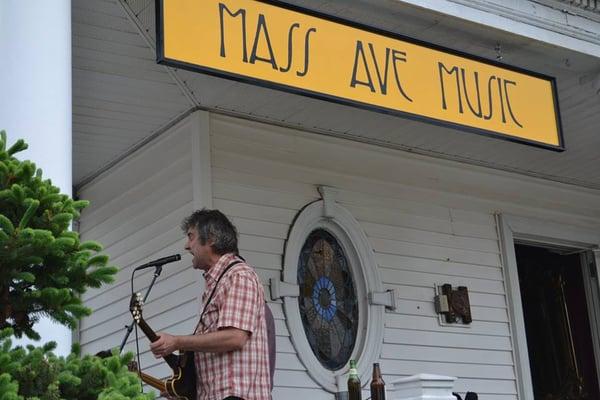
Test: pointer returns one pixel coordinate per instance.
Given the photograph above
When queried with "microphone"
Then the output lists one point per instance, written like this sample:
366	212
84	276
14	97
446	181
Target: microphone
160	262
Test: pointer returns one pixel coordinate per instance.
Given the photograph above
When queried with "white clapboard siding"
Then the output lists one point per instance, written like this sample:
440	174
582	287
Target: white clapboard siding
413	278
136	210
432	354
442	339
121	288
289	361
429	222
444	267
284	345
255	211
439	239
435	252
168	182
430	323
263	176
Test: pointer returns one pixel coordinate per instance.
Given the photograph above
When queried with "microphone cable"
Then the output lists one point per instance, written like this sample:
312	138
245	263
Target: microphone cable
137	341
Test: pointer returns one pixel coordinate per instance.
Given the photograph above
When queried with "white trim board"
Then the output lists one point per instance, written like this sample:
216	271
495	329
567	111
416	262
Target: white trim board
201	160
511	228
530	20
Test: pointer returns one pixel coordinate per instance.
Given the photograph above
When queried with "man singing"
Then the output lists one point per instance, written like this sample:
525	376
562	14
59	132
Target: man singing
230	342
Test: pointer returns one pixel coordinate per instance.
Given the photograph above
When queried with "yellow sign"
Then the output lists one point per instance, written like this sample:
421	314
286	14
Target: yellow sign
303	52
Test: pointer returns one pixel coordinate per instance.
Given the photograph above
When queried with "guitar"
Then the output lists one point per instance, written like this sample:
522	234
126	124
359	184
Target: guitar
182	385
148	379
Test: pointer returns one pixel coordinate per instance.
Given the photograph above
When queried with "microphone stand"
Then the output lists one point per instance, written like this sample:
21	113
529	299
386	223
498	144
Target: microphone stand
157	272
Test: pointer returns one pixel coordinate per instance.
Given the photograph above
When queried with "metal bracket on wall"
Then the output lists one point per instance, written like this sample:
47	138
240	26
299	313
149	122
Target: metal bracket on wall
280	289
387	298
453	304
328	194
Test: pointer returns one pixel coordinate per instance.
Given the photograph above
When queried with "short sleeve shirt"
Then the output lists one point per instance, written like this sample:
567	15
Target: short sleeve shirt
238	302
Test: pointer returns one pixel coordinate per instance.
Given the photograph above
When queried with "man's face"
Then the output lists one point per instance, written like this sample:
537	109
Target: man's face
201	252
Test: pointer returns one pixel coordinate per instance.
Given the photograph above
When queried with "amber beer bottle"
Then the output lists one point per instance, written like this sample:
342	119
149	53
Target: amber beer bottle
377	384
354	391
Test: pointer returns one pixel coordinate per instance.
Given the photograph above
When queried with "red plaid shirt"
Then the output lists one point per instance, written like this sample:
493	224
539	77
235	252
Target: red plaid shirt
238	302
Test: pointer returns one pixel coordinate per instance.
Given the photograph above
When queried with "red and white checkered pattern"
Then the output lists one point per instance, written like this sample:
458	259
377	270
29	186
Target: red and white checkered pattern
238	302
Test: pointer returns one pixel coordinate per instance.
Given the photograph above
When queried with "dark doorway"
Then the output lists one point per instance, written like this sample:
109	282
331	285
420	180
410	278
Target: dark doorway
559	342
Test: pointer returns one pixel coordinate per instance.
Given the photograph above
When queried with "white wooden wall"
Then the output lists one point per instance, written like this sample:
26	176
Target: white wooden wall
263	176
429	221
135	212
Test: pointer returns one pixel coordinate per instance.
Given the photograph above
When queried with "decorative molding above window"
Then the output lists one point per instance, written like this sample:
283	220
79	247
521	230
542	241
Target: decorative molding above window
325	225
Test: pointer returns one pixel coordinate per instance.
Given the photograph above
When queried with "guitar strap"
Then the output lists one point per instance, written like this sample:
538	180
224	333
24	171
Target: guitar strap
213	292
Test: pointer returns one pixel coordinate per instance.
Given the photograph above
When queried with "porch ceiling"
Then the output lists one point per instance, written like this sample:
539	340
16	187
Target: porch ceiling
121	98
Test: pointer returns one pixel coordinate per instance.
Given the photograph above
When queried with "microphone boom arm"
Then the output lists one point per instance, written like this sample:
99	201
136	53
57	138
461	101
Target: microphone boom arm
129	327
157	264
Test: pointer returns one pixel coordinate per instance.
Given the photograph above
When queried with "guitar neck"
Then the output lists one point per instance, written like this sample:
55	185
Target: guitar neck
147	330
152	381
171	359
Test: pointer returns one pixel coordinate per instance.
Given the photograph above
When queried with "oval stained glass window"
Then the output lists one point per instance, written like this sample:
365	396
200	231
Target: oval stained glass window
328	301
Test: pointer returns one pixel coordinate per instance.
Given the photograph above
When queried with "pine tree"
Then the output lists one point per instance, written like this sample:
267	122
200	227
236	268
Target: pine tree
44	266
45	269
36	373
8	388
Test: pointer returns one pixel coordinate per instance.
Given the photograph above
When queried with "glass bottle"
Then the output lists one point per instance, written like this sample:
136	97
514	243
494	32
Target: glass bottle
354	387
377	384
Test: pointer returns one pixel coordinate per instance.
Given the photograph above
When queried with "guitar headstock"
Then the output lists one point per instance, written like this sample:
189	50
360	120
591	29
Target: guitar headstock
135	306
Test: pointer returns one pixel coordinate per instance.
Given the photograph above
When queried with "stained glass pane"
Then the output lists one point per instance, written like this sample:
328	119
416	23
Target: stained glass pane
328	301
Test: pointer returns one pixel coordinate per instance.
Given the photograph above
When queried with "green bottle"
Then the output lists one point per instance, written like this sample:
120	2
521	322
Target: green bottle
354	389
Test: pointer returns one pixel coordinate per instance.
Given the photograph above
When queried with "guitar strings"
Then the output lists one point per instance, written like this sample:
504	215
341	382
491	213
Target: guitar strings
137	349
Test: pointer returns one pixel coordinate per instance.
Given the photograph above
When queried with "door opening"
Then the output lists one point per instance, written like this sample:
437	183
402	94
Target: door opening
557	324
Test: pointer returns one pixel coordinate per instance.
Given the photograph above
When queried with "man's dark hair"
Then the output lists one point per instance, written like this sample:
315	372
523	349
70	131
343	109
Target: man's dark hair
213	226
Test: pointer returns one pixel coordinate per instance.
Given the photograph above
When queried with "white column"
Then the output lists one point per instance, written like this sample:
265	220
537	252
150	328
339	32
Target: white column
423	387
35	97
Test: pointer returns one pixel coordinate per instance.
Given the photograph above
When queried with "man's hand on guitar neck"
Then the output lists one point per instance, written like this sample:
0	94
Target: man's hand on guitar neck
165	345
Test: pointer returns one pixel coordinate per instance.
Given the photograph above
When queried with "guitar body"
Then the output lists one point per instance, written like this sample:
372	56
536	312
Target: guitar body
182	385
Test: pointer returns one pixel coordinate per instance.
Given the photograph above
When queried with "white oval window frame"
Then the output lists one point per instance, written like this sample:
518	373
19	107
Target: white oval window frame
345	228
